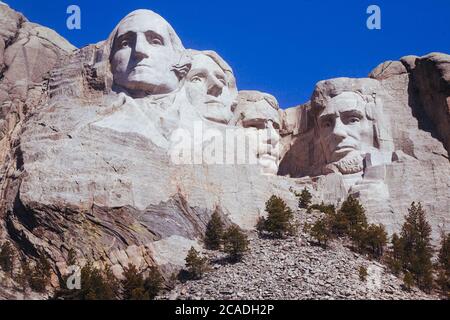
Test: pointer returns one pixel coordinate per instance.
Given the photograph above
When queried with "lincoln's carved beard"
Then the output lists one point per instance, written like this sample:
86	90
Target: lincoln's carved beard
352	163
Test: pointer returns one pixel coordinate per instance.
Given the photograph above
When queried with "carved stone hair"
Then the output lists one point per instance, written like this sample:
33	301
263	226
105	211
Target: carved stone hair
231	80
370	92
106	50
174	39
367	89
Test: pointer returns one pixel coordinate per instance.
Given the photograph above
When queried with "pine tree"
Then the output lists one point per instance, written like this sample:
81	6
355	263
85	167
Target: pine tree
97	285
355	217
324	208
305	198
22	277
444	265
408	281
416	246
394	257
235	243
363	273
321	231
63	292
153	283
279	219
339	224
444	253
214	232
195	264
133	284
6	257
375	239
40	275
137	287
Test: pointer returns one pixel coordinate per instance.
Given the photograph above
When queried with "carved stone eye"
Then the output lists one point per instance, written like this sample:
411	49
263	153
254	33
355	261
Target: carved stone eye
157	41
222	81
196	79
326	124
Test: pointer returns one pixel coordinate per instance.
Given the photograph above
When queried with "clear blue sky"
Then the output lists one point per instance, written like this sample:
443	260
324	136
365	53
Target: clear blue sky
282	47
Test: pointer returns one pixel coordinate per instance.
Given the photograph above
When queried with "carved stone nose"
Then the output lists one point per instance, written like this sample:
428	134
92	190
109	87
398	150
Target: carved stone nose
215	88
339	129
273	135
140	48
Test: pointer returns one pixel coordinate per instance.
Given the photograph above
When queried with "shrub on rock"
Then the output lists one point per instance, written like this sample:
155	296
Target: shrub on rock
133	284
235	243
321	231
6	257
408	281
416	247
214	232
305	198
279	221
196	265
363	273
153	283
95	285
394	256
444	266
353	214
375	240
39	276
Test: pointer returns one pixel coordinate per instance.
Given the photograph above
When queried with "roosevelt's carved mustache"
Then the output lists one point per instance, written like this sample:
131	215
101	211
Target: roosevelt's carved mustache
213	101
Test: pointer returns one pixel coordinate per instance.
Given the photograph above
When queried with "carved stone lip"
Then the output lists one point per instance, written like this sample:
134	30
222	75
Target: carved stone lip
215	102
142	65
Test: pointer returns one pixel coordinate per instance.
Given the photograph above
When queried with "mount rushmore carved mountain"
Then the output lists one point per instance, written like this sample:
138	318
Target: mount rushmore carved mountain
90	144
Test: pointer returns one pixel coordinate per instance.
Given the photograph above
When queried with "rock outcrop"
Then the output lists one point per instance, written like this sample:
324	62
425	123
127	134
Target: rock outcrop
28	52
123	149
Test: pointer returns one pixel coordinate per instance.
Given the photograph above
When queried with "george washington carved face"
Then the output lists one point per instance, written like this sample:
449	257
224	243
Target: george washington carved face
144	54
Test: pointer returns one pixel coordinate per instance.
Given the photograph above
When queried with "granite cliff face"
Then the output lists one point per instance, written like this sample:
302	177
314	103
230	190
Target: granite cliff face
126	164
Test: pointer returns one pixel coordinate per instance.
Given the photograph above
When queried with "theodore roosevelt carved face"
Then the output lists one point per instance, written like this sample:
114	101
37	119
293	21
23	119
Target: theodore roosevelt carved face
144	55
258	113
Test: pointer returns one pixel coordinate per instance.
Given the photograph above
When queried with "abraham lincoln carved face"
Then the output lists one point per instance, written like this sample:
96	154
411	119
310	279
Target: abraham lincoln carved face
346	129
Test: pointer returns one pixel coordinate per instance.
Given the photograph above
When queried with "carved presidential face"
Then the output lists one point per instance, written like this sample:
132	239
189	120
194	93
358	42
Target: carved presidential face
258	113
208	90
265	144
144	54
344	129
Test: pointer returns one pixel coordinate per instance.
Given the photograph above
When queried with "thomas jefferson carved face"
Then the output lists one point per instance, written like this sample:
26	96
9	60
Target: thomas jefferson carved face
208	89
144	53
345	131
